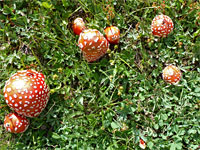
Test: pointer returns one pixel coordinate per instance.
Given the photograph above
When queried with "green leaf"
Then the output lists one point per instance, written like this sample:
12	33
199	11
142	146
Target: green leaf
150	145
173	146
55	136
46	5
114	125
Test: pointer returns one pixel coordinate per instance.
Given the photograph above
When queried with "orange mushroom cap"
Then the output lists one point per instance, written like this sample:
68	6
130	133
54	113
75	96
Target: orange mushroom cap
78	26
112	34
15	123
171	74
161	26
26	93
93	44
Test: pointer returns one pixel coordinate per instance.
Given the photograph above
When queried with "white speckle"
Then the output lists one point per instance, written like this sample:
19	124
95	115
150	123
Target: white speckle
36	91
170	71
16	105
26	90
15	95
25	105
27	102
20	102
10	98
20	97
96	39
20	108
17	122
30	97
36	114
80	45
13	101
15	128
6	101
31	92
35	87
40	86
6	95
22	93
8	89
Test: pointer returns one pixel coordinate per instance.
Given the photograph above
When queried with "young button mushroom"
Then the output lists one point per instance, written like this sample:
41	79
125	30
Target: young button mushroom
161	26
15	123
171	74
93	44
27	93
112	34
78	26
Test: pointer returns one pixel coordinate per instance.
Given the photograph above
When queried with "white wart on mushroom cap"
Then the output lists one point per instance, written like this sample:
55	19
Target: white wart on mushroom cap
93	44
15	123
27	93
162	25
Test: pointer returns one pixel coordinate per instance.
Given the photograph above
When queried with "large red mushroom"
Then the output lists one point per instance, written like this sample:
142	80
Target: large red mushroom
27	93
93	44
15	123
162	25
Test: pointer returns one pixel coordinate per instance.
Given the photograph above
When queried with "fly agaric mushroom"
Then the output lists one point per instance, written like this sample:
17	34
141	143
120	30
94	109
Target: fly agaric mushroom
78	26
112	34
27	93
93	44
171	74
15	123
142	144
161	26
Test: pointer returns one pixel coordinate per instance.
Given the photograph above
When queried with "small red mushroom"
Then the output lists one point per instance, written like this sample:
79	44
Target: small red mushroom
78	26
93	44
161	26
171	74
142	144
112	34
27	93
15	123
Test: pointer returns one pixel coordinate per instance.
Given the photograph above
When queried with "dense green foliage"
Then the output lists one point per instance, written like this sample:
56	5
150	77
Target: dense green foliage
112	103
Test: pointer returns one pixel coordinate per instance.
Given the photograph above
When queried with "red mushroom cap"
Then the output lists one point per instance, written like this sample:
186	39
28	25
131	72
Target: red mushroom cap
15	123
78	26
93	44
112	34
27	93
161	25
142	144
171	74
